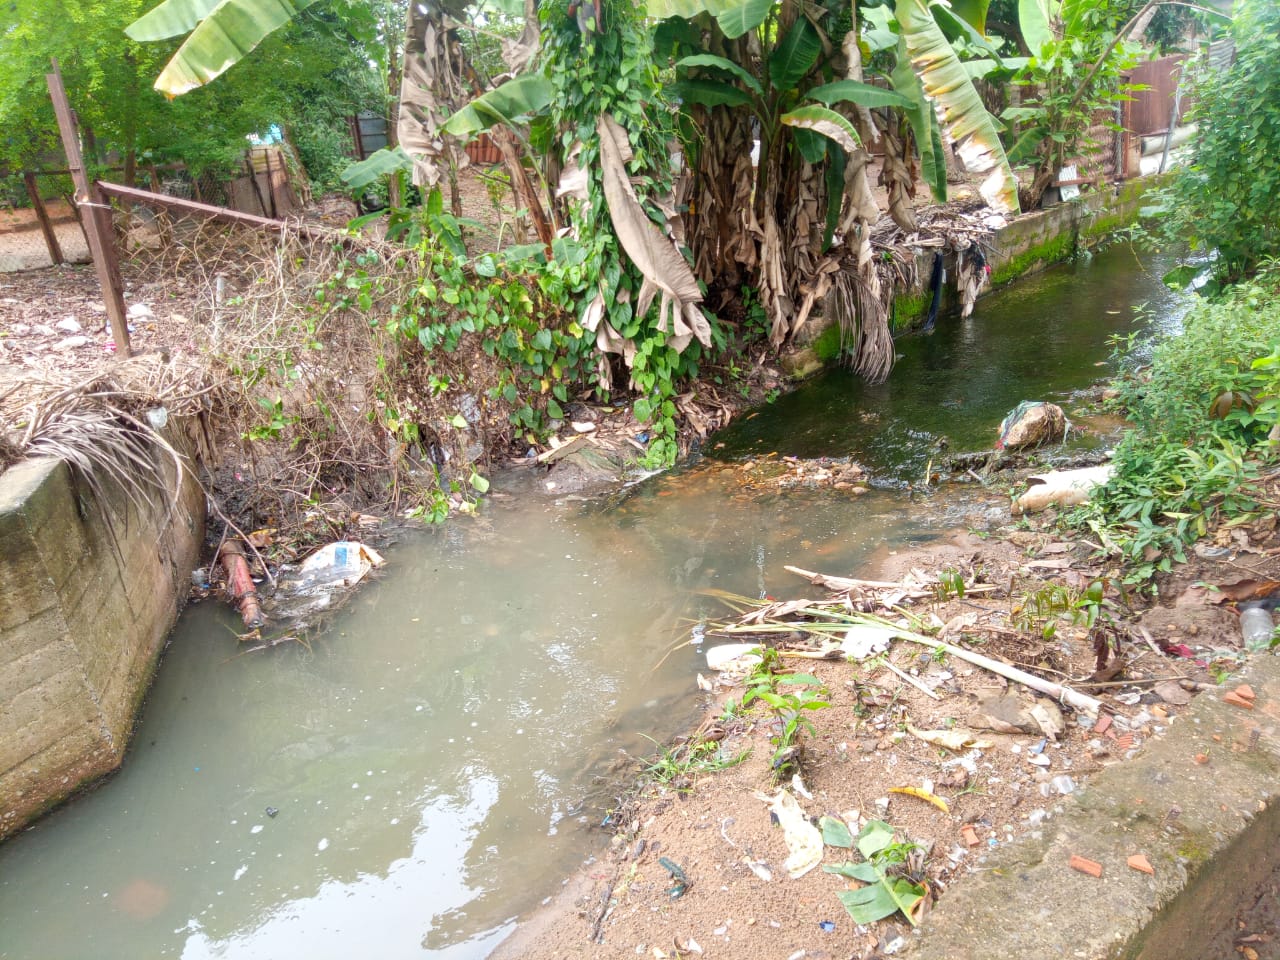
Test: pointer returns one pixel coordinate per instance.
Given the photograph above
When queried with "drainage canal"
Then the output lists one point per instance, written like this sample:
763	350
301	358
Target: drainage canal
435	761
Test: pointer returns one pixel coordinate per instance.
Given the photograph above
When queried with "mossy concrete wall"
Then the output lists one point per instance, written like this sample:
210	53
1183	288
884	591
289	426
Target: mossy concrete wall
1027	244
89	589
1202	804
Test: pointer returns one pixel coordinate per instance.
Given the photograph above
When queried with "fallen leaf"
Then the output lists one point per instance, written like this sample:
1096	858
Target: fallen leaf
1048	717
957	739
924	795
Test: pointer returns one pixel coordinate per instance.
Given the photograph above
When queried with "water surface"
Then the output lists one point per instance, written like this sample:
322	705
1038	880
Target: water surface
440	754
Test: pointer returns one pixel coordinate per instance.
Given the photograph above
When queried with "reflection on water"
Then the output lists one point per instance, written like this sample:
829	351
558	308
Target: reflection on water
1039	339
435	759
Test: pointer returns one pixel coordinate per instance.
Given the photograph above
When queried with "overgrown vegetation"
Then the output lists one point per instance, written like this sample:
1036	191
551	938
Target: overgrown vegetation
1204	415
1222	202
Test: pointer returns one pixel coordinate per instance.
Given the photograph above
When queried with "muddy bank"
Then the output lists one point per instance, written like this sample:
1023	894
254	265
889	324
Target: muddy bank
695	863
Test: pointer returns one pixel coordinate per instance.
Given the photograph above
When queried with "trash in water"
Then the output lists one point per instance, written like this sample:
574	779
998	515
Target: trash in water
311	586
272	811
241	590
733	656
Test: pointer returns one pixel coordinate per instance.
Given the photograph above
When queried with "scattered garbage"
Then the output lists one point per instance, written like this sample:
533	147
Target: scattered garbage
677	874
866	640
804	841
241	590
733	656
1065	488
827	926
1031	423
1256	627
312	586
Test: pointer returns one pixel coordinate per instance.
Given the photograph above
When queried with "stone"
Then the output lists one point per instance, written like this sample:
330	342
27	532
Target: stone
1031	424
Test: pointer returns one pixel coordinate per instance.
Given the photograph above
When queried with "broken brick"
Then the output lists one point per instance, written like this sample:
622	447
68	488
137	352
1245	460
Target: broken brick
1104	721
1236	700
1141	864
970	835
1202	758
1092	867
1245	691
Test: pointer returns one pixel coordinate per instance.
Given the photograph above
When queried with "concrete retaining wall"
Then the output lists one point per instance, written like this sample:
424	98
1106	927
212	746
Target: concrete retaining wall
1027	245
1202	804
88	592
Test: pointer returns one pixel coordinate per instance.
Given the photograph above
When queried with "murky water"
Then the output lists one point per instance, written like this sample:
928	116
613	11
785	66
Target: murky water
438	757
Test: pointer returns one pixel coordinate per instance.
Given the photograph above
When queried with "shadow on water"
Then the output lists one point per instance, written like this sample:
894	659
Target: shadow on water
442	754
1039	339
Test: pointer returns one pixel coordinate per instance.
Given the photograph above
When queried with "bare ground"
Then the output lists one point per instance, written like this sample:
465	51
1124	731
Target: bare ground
737	899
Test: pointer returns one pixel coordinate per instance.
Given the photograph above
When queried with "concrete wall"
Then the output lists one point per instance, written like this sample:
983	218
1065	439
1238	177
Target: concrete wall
88	592
1027	245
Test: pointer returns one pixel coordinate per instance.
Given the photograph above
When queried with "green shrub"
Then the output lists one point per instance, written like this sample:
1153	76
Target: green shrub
1223	201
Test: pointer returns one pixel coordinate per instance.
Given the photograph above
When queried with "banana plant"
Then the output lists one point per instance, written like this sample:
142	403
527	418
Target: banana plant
221	33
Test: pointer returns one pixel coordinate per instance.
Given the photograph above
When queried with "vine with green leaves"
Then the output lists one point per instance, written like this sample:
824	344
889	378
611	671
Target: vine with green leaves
607	68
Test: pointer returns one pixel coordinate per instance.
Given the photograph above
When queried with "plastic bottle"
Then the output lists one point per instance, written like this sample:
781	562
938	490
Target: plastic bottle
1256	627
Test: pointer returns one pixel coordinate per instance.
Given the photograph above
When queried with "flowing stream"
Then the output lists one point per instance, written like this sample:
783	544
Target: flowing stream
438	758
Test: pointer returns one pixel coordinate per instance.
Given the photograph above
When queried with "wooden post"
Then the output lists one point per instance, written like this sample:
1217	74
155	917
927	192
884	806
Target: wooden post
253	181
46	225
97	225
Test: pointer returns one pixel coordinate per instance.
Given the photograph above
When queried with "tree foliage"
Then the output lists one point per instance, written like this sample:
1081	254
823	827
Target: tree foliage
1223	201
311	76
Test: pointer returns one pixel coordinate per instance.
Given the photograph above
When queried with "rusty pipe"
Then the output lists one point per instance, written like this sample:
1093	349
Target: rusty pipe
241	590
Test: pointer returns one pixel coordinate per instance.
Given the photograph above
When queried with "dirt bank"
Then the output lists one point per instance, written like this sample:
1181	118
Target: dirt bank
696	863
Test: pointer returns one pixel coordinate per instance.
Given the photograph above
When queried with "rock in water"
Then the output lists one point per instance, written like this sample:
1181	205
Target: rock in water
1030	424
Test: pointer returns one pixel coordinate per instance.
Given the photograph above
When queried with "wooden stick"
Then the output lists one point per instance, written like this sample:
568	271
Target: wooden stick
96	220
912	680
842	583
46	225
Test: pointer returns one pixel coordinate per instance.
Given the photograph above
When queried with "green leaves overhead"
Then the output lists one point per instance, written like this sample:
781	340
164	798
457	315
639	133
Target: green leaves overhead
736	19
972	12
863	94
924	124
222	33
1034	21
945	81
722	63
826	122
518	97
795	55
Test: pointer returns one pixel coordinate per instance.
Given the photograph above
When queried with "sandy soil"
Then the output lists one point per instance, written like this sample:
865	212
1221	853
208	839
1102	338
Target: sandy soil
737	899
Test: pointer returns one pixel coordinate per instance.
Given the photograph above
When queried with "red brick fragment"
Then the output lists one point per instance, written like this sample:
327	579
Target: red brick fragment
1236	700
1202	758
1141	863
1092	867
1104	721
1246	691
970	835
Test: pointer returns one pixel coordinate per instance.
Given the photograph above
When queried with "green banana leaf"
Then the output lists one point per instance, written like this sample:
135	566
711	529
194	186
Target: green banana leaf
526	94
722	63
221	35
738	18
795	55
972	12
863	94
1034	20
826	122
924	124
377	165
943	79
709	93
